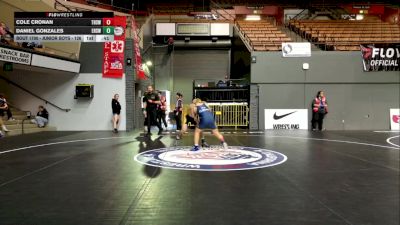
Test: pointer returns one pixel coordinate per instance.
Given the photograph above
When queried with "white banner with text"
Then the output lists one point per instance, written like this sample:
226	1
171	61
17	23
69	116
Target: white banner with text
296	49
14	56
286	119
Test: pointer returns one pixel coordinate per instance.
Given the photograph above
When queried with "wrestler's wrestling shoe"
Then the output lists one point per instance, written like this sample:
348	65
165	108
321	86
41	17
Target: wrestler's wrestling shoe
224	145
204	144
195	148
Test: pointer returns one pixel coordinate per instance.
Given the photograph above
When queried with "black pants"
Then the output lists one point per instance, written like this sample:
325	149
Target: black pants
178	119
317	118
190	120
161	117
9	114
170	48
152	119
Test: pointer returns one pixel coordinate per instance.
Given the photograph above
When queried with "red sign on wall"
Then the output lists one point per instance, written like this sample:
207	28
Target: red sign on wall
136	51
113	52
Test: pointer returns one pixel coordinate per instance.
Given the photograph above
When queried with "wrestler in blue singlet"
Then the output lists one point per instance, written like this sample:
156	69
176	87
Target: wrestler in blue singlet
206	117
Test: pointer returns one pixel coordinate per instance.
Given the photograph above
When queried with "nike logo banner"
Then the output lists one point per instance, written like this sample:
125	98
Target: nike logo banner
286	119
276	117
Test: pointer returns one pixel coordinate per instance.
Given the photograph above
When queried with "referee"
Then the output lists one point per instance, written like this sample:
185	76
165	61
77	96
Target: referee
151	100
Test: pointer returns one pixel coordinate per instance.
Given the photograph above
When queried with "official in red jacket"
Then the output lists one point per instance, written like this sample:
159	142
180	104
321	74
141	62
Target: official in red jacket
320	109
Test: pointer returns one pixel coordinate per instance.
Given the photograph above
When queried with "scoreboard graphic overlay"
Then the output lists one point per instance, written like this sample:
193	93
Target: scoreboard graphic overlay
64	26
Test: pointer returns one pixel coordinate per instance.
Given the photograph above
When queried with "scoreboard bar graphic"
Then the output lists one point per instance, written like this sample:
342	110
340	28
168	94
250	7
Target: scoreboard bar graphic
65	30
34	22
63	38
63	15
64	26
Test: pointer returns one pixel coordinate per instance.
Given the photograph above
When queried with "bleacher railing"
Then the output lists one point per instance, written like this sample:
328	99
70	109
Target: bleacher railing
230	114
33	94
226	114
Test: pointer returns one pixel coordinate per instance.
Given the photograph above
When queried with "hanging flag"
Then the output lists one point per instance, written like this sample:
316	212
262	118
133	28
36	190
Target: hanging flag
113	52
136	51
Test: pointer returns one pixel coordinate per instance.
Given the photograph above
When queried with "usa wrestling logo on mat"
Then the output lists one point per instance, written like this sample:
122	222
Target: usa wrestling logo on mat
211	159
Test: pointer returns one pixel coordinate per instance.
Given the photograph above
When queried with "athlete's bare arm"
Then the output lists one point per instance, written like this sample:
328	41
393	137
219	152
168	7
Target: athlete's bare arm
193	112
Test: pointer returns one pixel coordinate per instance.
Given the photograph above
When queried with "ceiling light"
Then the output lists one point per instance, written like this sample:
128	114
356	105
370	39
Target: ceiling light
253	17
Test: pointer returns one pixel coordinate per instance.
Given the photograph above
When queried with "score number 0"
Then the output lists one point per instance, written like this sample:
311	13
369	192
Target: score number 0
108	21
108	26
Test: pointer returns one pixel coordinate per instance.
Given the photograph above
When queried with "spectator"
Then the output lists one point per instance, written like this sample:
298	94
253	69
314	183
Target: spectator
2	33
178	114
5	108
144	110
228	81
42	117
9	33
32	45
320	109
170	44
2	127
5	33
162	108
116	110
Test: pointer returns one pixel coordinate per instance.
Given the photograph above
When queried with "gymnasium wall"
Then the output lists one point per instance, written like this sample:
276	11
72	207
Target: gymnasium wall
357	100
177	71
59	88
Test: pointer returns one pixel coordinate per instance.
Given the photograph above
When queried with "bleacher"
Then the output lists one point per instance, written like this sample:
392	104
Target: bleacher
42	50
193	20
35	47
262	35
346	35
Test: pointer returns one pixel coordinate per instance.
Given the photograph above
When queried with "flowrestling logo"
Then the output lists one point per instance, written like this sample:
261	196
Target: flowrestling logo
395	119
380	58
211	159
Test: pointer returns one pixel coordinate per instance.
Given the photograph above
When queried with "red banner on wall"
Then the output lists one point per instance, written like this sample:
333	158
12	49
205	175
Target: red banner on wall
113	52
136	51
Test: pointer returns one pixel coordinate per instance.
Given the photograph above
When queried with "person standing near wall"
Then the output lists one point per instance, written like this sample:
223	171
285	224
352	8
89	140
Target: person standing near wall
320	109
151	101
116	110
178	114
162	108
143	104
170	44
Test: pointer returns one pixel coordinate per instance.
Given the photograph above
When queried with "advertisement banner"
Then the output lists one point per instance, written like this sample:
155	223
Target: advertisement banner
296	49
136	52
113	52
394	119
286	119
377	58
